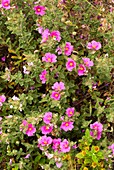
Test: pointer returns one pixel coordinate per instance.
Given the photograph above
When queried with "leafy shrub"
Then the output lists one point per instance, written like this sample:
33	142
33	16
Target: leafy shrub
56	92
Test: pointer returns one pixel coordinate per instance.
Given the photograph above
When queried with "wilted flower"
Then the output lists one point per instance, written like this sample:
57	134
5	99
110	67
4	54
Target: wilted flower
71	64
65	146
55	35
31	129
88	63
55	95
97	129
81	70
27	156
3	58
94	45
58	50
45	35
49	58
58	86
43	76
47	117
5	4
70	111
66	126
39	10
46	129
68	49
25	71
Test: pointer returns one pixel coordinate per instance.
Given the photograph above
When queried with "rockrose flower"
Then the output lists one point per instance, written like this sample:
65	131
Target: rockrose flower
46	129
44	141
58	86
56	144
81	70
66	126
55	35
39	10
70	111
31	130
87	62
64	146
55	95
45	35
68	49
5	4
43	76
2	99
71	64
49	58
94	45
47	117
97	129
112	148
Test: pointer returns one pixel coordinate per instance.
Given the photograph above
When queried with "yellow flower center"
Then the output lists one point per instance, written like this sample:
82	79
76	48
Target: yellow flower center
45	142
71	64
39	9
70	112
6	4
81	68
94	46
56	95
66	124
30	129
47	127
66	49
49	59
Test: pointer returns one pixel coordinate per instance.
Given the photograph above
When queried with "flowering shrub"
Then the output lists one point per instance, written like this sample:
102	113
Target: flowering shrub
56	85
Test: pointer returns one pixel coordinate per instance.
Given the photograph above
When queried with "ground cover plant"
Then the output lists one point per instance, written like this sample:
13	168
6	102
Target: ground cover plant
56	84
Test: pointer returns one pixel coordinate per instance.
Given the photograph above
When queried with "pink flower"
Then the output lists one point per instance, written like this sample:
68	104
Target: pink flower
40	29
2	98
93	45
97	129
43	76
55	95
44	141
24	123
49	58
31	129
58	50
5	4
81	70
56	144
88	63
59	164
45	35
71	64
66	126
27	156
46	129
3	58
58	86
39	10
47	117
56	35
112	148
68	49
65	146
70	111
